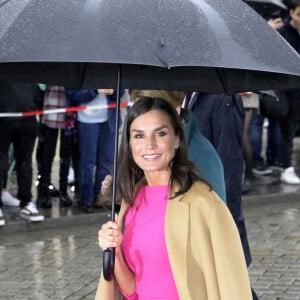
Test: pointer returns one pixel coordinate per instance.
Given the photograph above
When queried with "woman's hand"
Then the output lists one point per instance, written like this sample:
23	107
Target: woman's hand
276	23
110	235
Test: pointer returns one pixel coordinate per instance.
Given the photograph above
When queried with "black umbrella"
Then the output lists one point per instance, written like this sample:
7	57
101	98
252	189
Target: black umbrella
212	46
208	45
267	7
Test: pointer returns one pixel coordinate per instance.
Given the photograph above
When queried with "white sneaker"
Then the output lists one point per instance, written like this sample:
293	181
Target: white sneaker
2	221
31	213
9	200
289	176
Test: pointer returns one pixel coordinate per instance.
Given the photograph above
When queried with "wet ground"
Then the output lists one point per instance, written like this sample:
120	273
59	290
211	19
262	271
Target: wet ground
60	259
274	236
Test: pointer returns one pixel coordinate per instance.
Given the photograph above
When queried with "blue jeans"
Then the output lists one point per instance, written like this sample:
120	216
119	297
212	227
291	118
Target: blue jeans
273	142
96	148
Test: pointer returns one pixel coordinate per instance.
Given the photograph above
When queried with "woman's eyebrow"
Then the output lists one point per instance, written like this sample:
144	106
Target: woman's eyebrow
161	128
156	129
136	130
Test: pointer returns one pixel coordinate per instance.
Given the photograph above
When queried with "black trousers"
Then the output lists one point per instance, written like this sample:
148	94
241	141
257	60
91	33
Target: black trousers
45	154
288	128
69	153
22	133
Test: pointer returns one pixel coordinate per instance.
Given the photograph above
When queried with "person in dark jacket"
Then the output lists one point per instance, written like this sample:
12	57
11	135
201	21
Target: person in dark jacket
21	132
290	31
221	120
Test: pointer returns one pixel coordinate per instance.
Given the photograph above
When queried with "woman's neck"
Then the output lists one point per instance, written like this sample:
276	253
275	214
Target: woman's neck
158	178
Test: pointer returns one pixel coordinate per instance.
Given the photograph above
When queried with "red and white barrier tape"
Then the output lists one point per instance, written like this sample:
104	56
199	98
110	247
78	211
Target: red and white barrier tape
61	110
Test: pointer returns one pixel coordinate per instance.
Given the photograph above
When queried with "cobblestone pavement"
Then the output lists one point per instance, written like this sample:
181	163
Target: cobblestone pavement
274	235
64	263
53	264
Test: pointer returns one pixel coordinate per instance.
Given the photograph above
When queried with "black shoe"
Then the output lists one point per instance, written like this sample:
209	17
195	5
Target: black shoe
53	191
275	165
87	208
65	200
44	201
260	168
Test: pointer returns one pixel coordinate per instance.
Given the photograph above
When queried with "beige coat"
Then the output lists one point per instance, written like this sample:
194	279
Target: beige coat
204	249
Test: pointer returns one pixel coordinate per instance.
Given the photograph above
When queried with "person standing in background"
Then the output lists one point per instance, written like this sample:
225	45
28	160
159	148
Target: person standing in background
290	31
96	136
221	120
53	125
21	132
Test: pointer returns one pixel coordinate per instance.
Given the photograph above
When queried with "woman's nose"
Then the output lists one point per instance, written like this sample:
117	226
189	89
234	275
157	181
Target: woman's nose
151	142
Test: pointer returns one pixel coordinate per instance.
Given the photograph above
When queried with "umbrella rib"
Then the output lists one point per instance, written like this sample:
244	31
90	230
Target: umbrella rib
224	81
4	2
162	39
83	74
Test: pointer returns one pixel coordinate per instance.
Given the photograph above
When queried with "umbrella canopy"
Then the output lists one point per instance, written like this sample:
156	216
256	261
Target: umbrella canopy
200	45
268	7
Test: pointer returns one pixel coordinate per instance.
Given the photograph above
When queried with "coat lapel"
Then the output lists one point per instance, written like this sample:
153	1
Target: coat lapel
176	233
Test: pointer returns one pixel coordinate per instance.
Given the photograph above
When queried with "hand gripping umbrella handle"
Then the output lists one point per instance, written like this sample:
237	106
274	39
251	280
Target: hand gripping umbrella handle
108	263
109	254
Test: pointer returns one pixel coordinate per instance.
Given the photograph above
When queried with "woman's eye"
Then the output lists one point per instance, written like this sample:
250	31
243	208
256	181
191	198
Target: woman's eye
138	136
161	133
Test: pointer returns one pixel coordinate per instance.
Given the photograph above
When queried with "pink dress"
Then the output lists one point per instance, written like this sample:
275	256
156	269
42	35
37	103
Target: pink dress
144	245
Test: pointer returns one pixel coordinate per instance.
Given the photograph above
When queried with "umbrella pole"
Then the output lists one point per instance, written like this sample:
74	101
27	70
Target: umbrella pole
109	254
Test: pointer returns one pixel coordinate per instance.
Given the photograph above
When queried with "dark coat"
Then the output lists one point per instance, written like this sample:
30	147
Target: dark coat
19	96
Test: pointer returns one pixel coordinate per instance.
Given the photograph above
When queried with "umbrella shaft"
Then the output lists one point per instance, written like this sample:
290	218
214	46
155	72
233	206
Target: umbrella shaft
116	145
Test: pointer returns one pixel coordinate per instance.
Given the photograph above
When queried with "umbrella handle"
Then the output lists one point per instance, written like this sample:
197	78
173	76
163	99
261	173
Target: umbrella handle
108	263
109	254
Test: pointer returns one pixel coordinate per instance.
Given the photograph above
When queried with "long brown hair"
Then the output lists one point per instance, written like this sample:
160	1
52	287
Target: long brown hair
130	175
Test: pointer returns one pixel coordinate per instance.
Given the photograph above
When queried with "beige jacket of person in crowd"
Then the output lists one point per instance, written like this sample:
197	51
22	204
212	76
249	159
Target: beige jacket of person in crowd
204	249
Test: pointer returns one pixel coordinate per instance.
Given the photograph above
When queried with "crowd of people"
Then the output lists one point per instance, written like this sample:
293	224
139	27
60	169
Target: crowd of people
282	129
194	153
86	140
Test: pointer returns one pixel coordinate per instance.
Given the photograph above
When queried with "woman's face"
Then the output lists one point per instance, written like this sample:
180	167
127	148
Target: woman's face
153	143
